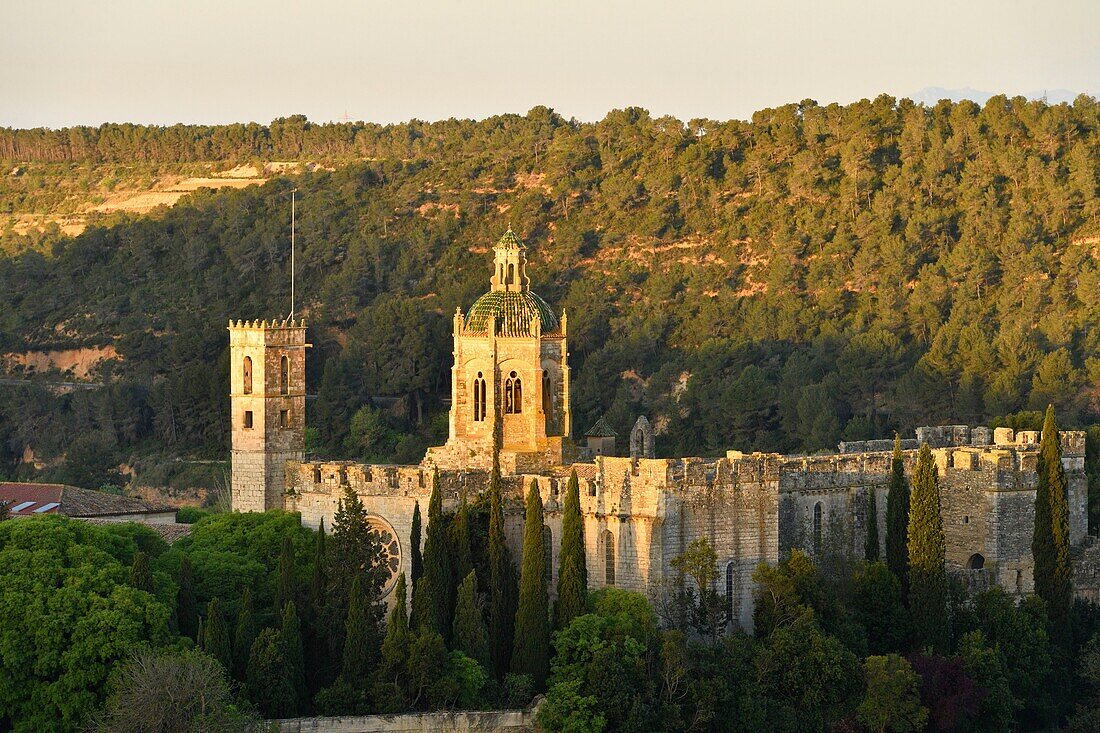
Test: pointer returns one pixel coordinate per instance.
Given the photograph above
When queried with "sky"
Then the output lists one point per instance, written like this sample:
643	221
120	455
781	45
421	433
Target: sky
217	61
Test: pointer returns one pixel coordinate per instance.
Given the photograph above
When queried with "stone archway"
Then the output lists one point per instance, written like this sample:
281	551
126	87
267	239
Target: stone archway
976	562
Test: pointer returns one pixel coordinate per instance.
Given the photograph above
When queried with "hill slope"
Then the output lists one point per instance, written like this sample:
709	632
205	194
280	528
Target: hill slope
818	273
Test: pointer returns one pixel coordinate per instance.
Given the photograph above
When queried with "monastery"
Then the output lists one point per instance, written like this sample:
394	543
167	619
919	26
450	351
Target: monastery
511	368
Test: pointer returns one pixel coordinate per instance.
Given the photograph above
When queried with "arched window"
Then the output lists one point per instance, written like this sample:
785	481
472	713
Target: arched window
248	375
513	395
479	398
976	562
317	474
547	398
284	375
547	554
730	569
608	558
511	273
817	528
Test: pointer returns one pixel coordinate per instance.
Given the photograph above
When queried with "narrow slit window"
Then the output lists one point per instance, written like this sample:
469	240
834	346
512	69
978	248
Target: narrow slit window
284	375
247	375
284	418
817	528
248	418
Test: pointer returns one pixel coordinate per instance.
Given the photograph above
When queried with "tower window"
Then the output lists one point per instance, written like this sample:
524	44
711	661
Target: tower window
730	569
248	418
247	374
817	528
547	400
511	273
284	418
284	375
513	395
608	558
479	398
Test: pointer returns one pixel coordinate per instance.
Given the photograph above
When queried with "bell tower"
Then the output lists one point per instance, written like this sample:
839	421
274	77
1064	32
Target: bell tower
267	394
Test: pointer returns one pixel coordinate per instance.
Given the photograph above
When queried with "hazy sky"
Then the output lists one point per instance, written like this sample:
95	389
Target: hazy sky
156	61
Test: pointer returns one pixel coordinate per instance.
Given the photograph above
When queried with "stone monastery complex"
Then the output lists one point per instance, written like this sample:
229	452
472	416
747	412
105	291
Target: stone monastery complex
511	368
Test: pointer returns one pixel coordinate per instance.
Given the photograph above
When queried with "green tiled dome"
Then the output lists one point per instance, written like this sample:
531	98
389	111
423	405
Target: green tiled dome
515	313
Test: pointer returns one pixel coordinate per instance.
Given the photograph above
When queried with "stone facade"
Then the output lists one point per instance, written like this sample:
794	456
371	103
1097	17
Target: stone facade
267	384
510	370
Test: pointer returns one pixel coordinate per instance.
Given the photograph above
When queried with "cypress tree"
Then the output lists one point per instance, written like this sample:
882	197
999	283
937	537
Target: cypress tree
416	562
244	635
897	518
319	667
461	560
187	606
141	576
433	606
200	642
268	684
531	653
501	610
471	637
318	581
927	578
1050	541
357	653
216	635
293	653
572	567
395	646
286	591
870	548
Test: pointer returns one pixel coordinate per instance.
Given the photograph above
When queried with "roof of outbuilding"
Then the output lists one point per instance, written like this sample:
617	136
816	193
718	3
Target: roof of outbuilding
601	430
28	499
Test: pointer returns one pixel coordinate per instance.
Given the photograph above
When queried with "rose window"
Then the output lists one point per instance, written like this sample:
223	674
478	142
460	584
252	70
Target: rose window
391	551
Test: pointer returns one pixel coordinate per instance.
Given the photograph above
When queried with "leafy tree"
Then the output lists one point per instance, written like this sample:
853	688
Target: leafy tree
79	589
1050	541
572	566
951	696
470	635
870	547
269	685
927	577
808	678
985	665
892	701
432	604
187	612
531	654
244	635
710	610
215	640
439	679
878	604
141	575
172	692
293	654
897	518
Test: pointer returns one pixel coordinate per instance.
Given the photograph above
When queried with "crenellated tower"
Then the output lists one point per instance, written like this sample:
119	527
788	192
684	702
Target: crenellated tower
267	394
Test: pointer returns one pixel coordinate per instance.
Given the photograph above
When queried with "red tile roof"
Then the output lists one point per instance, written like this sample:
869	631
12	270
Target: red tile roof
28	499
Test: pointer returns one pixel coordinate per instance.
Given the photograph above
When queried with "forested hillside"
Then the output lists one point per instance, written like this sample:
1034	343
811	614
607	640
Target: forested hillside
816	274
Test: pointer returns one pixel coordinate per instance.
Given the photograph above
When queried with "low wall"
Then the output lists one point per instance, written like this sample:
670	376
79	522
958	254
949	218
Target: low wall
494	721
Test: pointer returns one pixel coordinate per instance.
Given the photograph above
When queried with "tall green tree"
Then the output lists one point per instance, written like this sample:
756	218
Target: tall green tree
269	686
287	589
572	566
501	603
927	547
897	518
357	653
461	556
416	562
870	547
318	581
432	601
141	575
470	635
216	635
395	645
531	653
294	654
244	635
319	666
1050	541
187	606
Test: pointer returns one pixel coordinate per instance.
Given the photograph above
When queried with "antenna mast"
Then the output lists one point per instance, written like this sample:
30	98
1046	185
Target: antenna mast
293	193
